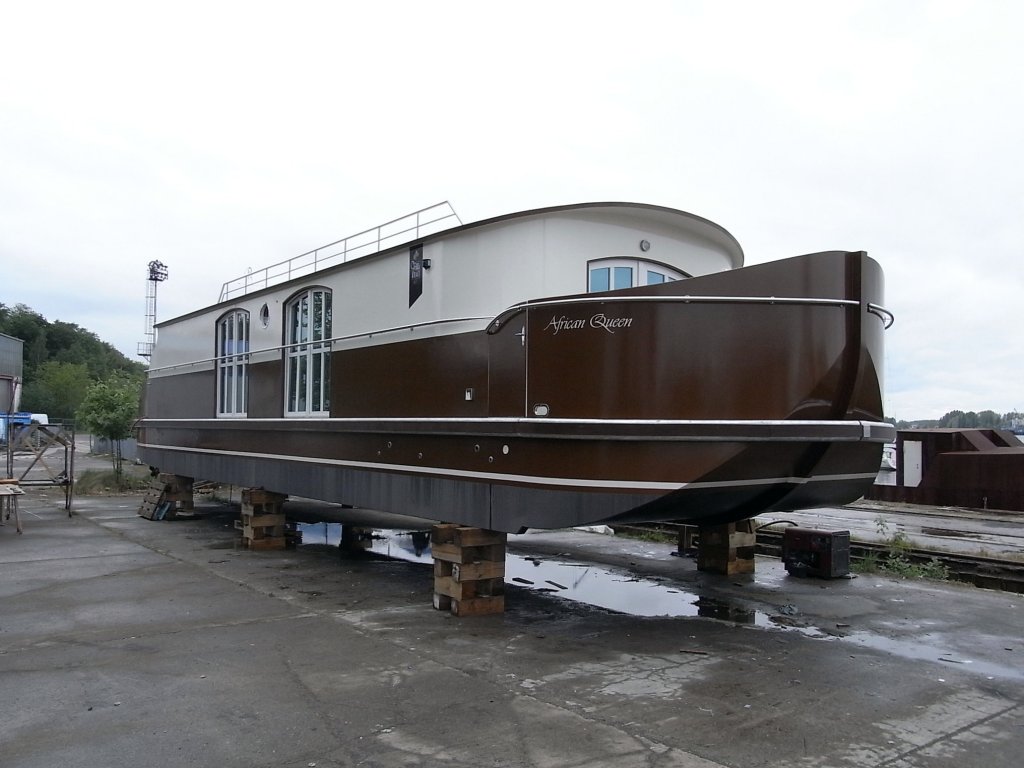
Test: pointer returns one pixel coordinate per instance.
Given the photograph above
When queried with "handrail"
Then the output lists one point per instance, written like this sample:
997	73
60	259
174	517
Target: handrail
883	313
320	342
495	323
419	223
504	317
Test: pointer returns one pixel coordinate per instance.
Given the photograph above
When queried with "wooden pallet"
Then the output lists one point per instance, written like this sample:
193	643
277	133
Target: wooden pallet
153	504
166	497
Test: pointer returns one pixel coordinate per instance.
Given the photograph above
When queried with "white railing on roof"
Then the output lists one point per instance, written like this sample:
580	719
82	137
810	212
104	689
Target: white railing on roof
426	221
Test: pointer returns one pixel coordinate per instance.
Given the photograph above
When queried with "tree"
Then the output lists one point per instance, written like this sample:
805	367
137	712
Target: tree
22	323
57	389
109	409
988	419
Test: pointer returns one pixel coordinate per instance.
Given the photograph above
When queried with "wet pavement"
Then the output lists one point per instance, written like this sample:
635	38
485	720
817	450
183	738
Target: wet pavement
985	533
130	642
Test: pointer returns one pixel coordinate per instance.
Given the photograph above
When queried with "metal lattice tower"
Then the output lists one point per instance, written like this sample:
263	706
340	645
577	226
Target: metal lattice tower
157	274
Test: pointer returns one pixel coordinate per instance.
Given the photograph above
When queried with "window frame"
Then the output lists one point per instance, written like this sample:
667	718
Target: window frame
234	327
307	353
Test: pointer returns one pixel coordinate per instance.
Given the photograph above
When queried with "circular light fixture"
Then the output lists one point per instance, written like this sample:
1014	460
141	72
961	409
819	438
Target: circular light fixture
645	245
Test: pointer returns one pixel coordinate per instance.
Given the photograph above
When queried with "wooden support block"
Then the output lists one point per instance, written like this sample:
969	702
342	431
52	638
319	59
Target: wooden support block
469	569
688	539
175	482
478	606
727	549
260	496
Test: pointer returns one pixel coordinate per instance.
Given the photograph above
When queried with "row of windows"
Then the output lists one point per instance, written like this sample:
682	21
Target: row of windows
613	274
307	350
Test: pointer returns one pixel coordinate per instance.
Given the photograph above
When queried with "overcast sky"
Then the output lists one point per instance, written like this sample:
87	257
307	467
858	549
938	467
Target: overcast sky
219	136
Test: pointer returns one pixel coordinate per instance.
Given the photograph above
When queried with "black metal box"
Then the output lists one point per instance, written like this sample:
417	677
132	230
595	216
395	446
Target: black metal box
807	552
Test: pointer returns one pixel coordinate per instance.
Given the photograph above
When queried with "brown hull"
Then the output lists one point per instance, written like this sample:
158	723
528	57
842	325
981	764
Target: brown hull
710	399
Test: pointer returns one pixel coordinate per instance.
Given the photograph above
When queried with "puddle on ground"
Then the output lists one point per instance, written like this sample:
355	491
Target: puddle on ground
918	650
624	593
582	582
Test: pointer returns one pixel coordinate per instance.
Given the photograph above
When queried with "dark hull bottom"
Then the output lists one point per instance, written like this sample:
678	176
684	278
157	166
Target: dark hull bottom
842	472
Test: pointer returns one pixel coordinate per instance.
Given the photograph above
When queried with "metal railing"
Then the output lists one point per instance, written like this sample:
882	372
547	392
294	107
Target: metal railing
601	298
412	226
322	343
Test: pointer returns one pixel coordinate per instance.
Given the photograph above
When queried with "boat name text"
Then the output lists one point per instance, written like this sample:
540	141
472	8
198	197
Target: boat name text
610	324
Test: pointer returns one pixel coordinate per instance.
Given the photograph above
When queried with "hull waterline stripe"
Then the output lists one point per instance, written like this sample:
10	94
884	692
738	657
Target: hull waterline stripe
789	429
633	485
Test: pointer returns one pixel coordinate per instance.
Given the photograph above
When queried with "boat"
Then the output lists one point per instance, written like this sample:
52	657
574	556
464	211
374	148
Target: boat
595	363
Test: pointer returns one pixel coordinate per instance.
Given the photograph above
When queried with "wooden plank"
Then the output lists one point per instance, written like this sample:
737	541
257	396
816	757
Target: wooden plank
263	520
443	533
474	571
465	590
260	496
456	554
477	537
448	552
442	602
263	531
479	606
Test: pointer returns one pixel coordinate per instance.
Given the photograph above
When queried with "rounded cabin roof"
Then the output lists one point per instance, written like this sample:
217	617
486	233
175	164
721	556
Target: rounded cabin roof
669	218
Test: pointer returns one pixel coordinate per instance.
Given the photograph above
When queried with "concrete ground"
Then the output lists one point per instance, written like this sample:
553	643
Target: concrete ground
130	642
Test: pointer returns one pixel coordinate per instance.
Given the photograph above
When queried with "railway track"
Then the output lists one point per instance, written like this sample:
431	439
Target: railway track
999	572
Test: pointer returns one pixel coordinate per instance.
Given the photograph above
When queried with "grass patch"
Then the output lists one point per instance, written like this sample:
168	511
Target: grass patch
99	482
896	561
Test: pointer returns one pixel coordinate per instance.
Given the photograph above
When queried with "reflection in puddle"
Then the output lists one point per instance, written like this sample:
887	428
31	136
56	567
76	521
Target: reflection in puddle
619	591
582	582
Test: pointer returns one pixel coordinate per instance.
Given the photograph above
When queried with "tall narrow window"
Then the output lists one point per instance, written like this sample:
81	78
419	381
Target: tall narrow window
232	363
308	354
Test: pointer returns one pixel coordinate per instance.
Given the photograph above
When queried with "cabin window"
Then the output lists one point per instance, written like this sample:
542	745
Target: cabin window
614	274
233	363
308	354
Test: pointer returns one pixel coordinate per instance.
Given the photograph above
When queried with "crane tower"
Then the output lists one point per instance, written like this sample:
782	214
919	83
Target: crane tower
157	274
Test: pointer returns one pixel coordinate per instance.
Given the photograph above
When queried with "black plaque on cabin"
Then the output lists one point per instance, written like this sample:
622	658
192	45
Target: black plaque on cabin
415	273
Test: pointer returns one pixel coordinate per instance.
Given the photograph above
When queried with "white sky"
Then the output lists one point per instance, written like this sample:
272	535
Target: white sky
218	136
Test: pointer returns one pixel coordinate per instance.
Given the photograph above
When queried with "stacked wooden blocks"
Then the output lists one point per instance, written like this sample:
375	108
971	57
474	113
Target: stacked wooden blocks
469	570
166	497
727	549
179	494
263	522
